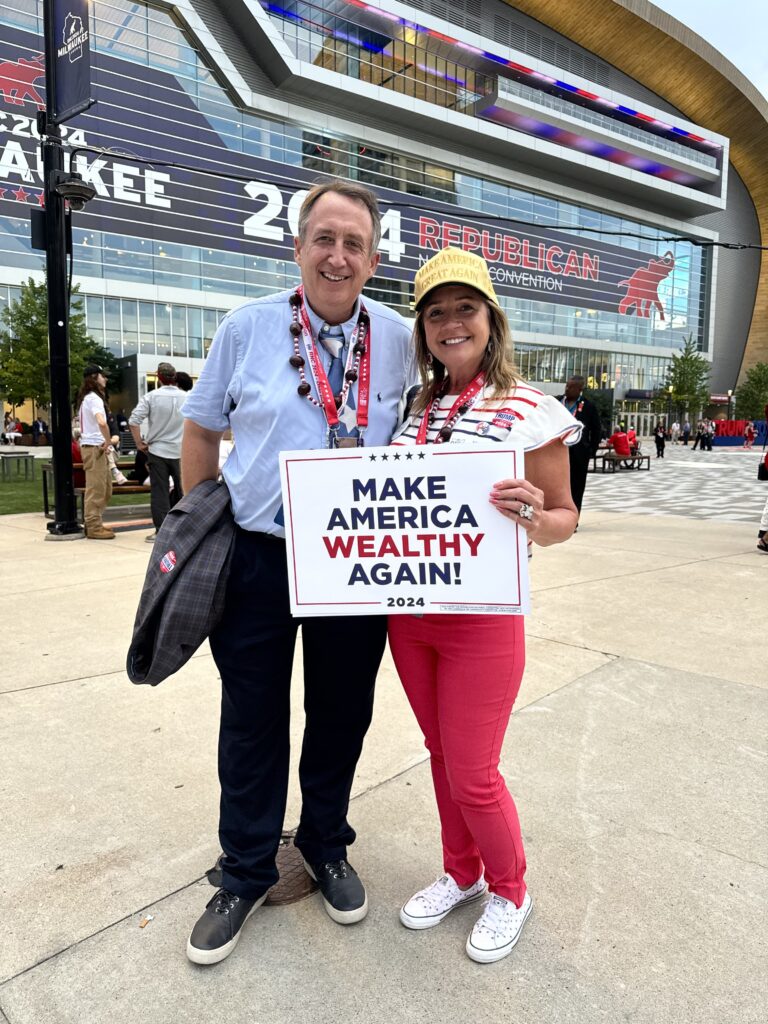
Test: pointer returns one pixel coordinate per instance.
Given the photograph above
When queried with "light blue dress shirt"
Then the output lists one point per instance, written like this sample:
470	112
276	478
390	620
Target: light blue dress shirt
247	384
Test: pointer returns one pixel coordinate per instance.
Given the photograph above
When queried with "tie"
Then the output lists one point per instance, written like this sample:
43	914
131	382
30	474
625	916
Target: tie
332	340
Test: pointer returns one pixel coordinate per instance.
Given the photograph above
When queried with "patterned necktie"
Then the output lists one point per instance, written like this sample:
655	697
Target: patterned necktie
332	340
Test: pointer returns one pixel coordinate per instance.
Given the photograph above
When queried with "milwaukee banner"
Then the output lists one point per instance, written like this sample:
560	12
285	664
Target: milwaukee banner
239	188
72	71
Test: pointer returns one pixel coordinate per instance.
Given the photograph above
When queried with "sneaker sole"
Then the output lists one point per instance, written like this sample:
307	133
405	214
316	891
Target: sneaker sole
215	956
490	956
418	924
340	916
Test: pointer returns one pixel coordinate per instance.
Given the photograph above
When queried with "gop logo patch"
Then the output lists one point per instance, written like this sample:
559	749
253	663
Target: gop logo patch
168	562
482	428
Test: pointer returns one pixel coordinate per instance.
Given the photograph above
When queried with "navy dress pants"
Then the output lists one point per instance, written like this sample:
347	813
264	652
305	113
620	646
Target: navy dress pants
253	648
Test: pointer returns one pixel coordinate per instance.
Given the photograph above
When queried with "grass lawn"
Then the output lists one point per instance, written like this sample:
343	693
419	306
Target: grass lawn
27	496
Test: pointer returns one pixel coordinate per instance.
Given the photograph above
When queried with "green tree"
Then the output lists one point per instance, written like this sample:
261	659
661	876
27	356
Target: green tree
688	373
24	356
752	393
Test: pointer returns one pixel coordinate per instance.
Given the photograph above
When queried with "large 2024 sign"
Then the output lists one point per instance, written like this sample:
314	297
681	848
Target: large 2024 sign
227	199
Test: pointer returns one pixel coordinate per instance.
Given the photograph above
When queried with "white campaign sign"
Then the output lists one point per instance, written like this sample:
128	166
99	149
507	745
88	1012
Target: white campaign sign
377	531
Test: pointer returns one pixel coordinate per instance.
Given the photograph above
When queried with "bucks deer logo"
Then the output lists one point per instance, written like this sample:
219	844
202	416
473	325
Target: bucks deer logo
643	286
16	80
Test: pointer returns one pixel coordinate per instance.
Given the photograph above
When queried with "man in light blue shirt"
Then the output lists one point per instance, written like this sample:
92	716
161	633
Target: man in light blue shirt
282	373
159	412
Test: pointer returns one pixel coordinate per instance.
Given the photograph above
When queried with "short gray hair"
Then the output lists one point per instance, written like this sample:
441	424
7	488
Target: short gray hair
350	190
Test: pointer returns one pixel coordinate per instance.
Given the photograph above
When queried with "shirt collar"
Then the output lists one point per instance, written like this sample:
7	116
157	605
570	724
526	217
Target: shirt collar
347	327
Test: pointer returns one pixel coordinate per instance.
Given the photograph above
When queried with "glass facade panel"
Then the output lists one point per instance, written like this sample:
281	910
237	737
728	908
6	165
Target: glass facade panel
163	329
195	332
145	35
147	328
130	326
113	326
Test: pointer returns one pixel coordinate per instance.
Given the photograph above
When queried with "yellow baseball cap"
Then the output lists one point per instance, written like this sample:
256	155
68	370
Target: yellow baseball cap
453	266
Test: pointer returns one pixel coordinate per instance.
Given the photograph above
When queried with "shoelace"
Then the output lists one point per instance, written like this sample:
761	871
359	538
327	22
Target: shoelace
223	901
433	897
336	868
493	915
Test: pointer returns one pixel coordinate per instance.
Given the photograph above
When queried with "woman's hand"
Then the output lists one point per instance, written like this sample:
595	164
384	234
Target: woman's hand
521	502
544	498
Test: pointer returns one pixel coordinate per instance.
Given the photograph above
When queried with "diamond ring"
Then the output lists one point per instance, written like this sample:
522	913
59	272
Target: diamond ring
526	512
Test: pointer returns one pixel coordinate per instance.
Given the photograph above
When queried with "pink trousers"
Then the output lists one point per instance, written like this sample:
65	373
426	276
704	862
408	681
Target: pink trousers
461	674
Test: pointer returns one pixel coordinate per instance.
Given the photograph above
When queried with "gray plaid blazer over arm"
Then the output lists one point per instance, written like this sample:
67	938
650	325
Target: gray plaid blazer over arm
185	585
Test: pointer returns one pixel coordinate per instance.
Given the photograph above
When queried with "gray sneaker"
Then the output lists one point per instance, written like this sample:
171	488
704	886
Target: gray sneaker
218	931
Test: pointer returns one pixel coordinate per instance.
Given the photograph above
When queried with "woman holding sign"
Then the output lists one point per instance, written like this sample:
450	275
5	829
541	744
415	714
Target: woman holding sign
461	673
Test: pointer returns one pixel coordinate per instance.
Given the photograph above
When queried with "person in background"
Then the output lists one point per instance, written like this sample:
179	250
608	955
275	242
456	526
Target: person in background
619	442
161	409
12	429
95	441
686	433
461	673
78	474
660	438
183	381
762	543
699	439
674	432
634	445
40	429
580	454
749	434
709	434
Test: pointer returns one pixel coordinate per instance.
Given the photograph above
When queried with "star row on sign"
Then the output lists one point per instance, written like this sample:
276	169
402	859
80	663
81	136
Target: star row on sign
397	456
21	195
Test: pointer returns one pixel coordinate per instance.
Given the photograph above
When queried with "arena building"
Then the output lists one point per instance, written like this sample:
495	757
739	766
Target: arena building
592	152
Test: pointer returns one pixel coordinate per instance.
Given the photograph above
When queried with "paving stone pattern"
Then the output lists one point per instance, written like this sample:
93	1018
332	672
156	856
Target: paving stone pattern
721	484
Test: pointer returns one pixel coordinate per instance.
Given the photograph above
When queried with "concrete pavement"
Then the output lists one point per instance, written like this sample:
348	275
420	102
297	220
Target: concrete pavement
636	755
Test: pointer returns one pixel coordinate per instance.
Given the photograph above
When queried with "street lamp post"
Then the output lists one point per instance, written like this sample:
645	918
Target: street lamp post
670	389
730	396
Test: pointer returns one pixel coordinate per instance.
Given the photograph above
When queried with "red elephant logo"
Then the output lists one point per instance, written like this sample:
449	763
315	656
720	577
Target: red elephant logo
16	78
643	286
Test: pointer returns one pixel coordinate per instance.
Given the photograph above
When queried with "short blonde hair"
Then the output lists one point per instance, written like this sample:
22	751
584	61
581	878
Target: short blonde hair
350	190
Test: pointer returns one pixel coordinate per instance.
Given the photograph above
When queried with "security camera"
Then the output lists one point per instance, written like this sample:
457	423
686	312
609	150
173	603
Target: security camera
76	191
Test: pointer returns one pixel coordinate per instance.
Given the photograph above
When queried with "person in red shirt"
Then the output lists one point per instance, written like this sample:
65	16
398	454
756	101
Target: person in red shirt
634	447
620	443
78	475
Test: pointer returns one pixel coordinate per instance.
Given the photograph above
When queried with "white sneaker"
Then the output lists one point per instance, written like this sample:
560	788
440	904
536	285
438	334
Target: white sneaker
118	478
498	930
428	907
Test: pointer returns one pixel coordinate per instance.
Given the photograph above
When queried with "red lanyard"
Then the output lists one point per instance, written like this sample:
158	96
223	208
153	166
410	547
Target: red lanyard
321	378
460	407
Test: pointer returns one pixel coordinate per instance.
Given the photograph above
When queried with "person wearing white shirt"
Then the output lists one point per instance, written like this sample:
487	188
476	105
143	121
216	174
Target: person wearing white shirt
95	440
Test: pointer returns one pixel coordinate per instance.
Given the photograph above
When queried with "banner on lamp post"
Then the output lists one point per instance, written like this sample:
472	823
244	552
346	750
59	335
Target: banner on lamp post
382	531
72	64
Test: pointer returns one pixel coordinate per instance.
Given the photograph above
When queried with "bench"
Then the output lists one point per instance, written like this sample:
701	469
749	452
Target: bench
8	459
613	461
131	488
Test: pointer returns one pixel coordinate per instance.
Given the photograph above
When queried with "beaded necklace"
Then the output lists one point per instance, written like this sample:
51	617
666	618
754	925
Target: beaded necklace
358	366
460	407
